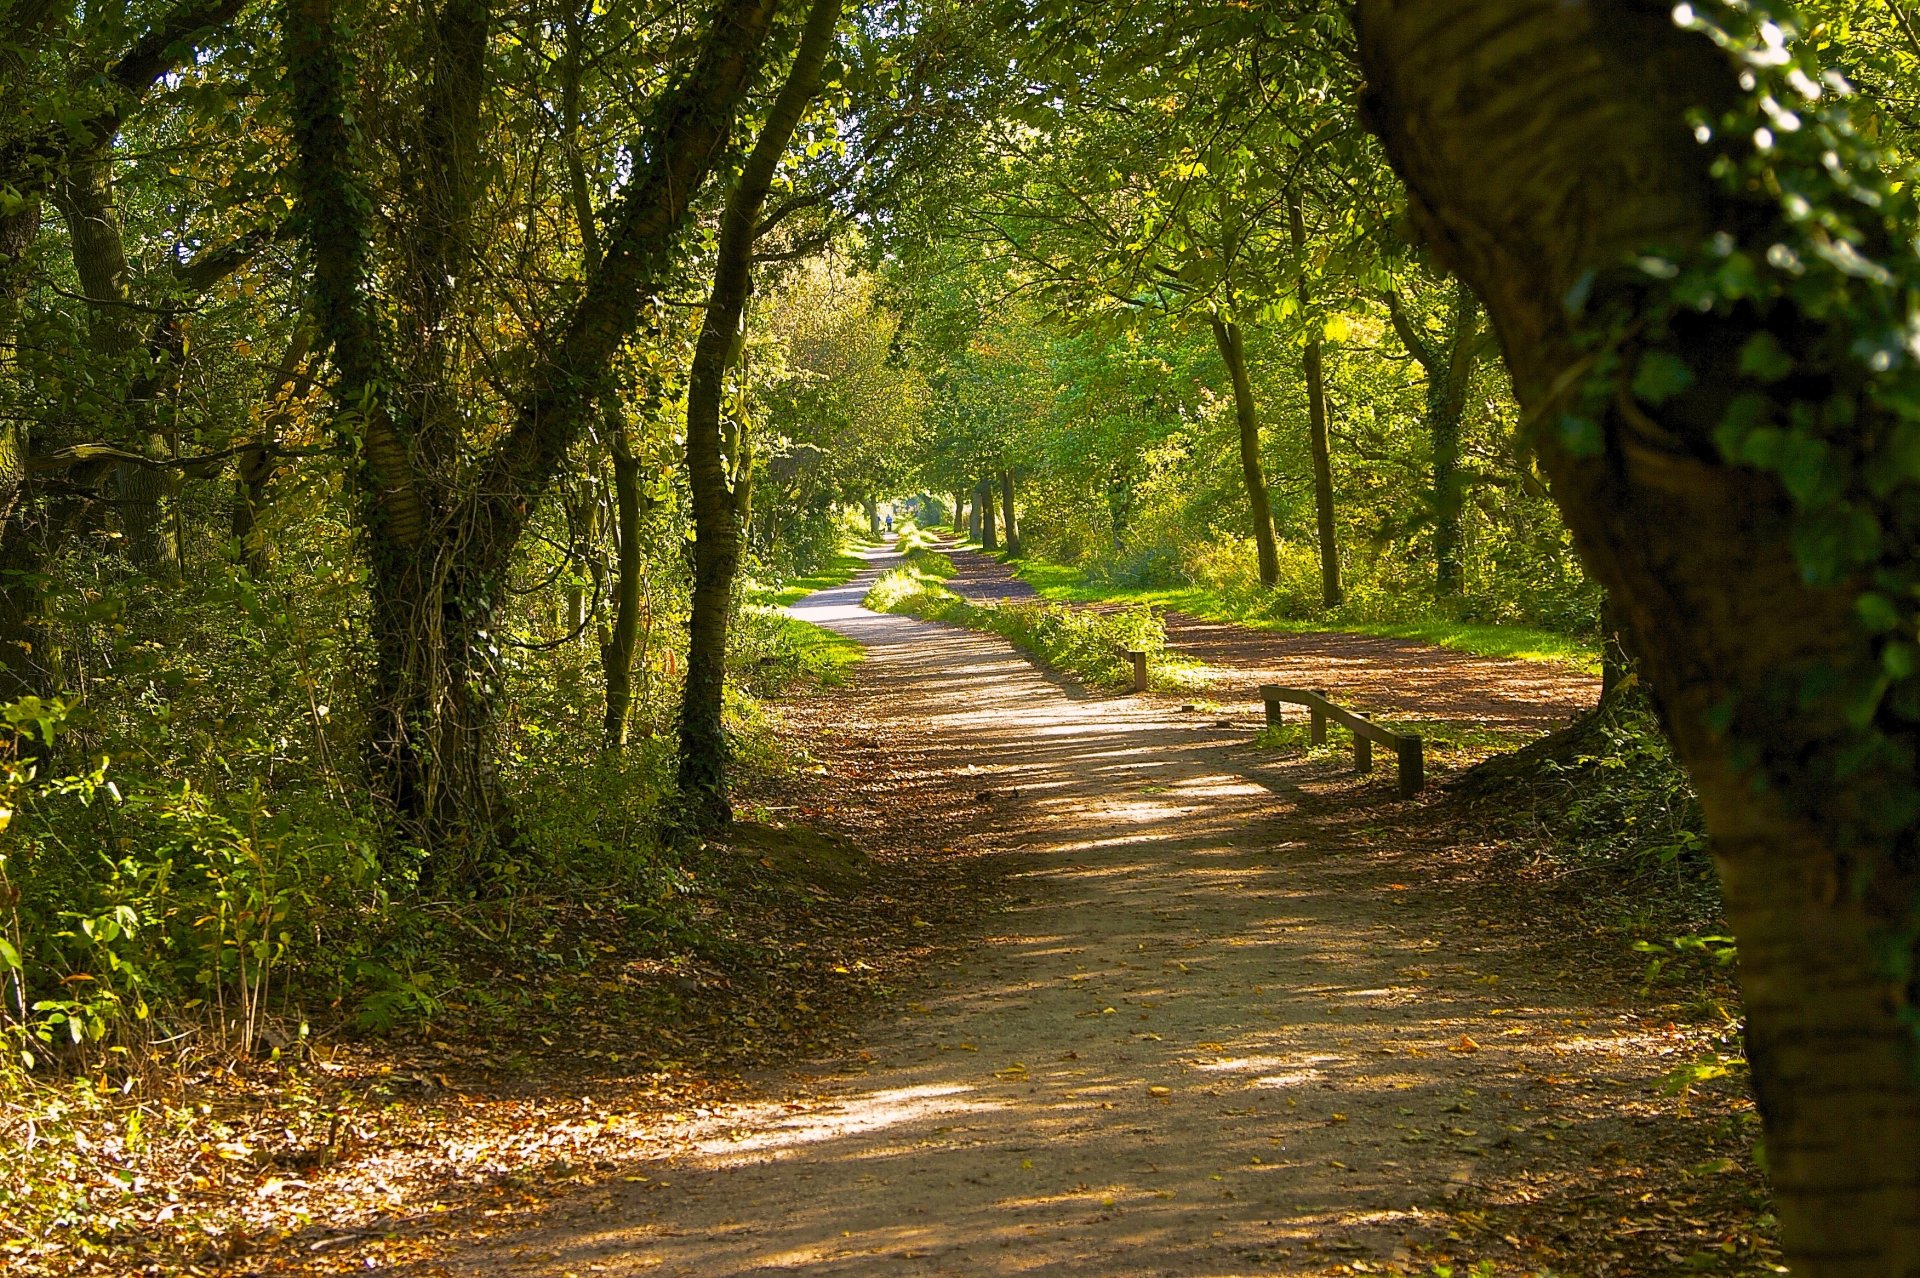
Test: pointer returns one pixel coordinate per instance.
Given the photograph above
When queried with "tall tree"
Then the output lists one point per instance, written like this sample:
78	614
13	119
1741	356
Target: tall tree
442	525
1447	357
717	465
1700	278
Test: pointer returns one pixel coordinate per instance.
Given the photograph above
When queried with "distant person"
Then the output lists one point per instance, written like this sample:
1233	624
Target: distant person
889	522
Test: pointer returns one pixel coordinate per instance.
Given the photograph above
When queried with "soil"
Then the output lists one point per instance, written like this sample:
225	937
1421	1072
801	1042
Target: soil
1241	1013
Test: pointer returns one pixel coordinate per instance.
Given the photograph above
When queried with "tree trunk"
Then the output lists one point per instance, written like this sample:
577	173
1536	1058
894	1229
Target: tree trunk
142	494
989	534
432	733
1006	508
872	508
1233	352
1311	364
973	518
719	484
1448	364
1544	144
22	672
440	530
616	654
960	512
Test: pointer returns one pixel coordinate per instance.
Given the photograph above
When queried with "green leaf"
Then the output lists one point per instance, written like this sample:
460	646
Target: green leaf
1660	376
10	957
1877	612
1764	359
1580	435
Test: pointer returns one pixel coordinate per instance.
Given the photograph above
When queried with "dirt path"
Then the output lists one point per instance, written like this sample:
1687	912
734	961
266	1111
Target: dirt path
1394	676
1222	1031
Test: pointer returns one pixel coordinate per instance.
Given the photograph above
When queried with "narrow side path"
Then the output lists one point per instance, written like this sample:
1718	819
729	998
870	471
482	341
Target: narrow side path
1210	1038
1397	676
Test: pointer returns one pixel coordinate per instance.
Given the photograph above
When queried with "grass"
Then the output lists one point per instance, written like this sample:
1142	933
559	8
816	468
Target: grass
798	647
1090	645
837	573
1073	585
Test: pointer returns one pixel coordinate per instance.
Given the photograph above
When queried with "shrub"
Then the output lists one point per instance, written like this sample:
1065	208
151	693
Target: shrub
1091	643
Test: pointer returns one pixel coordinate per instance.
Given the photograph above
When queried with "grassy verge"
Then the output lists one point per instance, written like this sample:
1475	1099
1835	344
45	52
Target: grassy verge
1074	585
837	573
1089	645
773	649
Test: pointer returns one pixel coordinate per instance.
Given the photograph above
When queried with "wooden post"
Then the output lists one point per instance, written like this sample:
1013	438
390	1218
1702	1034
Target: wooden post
1317	721
1413	769
1362	749
1275	715
1139	660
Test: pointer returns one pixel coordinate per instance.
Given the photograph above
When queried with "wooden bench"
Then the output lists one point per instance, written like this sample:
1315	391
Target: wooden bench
1406	746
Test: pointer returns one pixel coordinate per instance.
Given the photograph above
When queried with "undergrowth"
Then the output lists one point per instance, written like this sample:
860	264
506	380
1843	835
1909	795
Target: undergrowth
1092	645
1284	614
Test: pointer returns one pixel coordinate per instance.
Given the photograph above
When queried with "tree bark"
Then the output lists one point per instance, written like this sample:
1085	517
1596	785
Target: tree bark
616	654
1544	144
142	494
1233	352
440	538
973	518
719	484
1331	593
1007	519
989	533
960	511
1448	362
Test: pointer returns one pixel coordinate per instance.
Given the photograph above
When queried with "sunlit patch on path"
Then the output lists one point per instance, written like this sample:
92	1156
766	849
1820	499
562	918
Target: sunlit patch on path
1205	1040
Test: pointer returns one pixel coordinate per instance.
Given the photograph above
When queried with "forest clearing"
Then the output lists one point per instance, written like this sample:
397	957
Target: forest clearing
960	637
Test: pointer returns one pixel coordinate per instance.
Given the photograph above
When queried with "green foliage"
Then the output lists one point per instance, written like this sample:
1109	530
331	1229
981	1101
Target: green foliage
1255	608
1090	643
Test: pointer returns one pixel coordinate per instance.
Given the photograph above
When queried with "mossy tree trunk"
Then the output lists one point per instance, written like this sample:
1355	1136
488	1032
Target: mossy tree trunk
440	530
1007	517
718	482
1545	145
1447	358
1253	475
1318	443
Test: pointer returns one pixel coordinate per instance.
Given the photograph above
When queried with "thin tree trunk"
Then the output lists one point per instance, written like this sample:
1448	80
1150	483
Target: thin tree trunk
1543	145
1317	442
1233	353
989	532
719	493
616	654
1007	519
960	512
872	509
1448	364
973	517
142	494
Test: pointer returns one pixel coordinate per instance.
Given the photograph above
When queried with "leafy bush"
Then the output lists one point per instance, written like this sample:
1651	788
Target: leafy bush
1092	643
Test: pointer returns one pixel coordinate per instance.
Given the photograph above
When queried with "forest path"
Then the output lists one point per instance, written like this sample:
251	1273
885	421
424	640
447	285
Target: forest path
1390	676
1210	1035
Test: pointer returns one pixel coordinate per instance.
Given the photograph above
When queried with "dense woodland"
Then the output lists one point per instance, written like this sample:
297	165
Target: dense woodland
409	417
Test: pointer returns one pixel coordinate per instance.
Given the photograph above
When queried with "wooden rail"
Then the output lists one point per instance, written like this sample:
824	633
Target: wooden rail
1406	746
